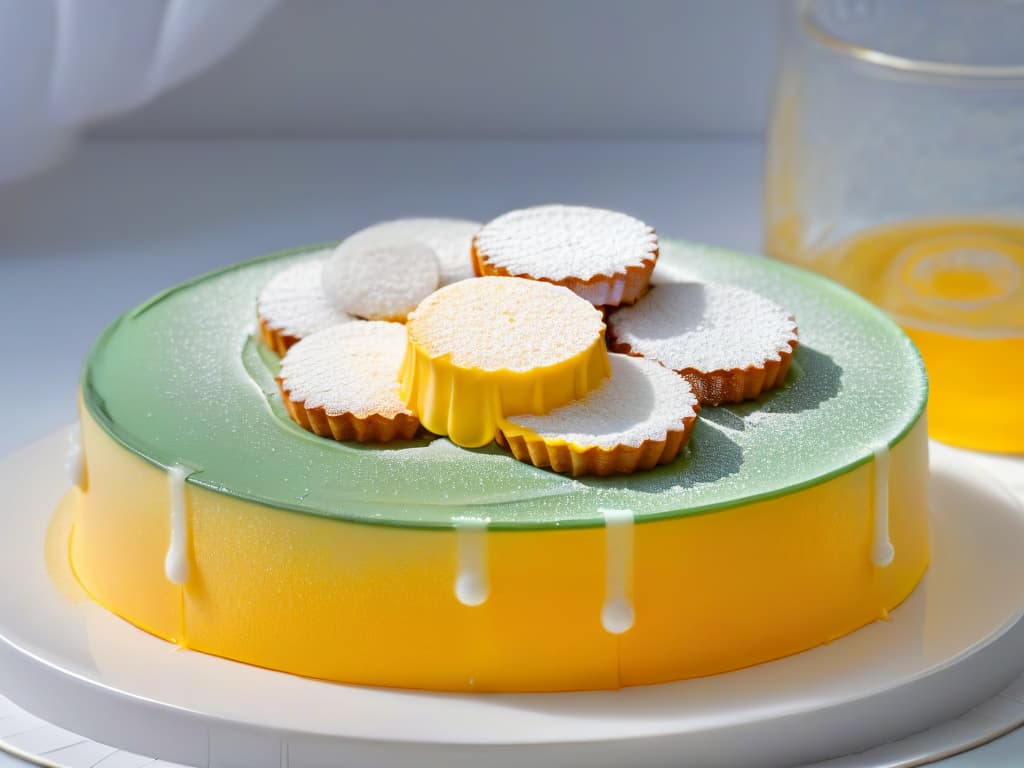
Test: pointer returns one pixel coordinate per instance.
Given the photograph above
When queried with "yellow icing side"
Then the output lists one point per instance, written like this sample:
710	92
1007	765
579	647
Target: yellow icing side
432	386
376	605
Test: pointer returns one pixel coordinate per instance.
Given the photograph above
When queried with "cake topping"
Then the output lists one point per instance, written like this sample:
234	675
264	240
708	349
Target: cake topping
554	242
497	323
482	349
705	326
704	329
639	417
379	281
450	239
293	305
605	256
343	382
350	368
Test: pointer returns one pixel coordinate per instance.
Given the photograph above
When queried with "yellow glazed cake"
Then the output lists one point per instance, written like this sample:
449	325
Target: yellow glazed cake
211	519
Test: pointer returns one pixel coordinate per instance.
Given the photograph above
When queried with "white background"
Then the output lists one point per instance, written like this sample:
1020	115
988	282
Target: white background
502	69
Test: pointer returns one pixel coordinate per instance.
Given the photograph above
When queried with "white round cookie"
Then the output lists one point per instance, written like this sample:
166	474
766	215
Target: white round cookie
704	327
380	281
293	303
641	401
350	369
450	239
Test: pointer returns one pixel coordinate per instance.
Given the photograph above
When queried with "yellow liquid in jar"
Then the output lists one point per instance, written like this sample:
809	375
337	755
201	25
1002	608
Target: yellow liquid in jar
957	288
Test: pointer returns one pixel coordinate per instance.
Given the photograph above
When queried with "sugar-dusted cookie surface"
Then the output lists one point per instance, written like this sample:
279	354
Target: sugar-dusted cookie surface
730	343
604	256
638	418
380	281
482	349
450	239
343	383
293	304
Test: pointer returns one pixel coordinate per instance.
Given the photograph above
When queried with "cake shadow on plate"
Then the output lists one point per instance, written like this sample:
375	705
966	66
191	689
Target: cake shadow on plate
814	378
711	455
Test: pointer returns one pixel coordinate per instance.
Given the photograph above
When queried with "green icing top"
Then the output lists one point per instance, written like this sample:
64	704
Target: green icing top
182	380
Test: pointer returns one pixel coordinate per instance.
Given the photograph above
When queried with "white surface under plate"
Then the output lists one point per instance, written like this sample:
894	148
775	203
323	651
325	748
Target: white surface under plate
954	644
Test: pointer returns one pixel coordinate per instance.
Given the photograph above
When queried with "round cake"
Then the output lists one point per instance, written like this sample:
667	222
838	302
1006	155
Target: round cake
206	516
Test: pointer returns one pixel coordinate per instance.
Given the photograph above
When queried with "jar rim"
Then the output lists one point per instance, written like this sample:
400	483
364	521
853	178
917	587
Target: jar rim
813	28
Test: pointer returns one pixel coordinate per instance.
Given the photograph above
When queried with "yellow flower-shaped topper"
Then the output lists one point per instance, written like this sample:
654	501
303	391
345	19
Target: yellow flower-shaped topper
480	350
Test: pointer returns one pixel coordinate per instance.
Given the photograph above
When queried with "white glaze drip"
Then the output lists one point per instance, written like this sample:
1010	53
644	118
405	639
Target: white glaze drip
75	462
882	551
617	615
472	585
176	566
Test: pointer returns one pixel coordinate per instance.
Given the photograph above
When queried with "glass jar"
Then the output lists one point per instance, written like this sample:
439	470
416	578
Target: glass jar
896	166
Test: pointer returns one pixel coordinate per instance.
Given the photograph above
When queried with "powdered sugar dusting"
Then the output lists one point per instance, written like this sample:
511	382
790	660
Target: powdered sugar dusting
641	401
450	239
350	368
704	326
495	323
556	242
380	282
294	302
